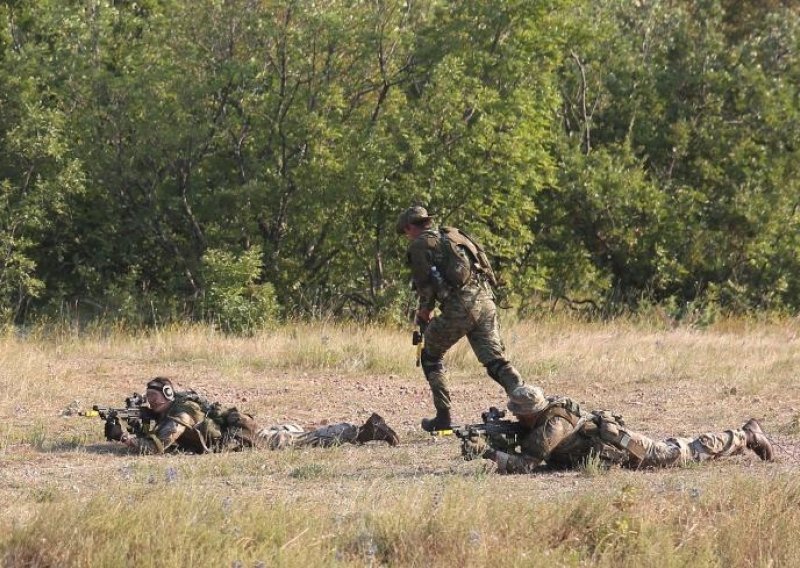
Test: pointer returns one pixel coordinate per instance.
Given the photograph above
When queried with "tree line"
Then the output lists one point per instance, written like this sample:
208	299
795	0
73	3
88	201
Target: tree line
236	161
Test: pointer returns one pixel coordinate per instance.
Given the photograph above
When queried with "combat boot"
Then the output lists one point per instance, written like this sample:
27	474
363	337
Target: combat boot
375	428
442	421
757	440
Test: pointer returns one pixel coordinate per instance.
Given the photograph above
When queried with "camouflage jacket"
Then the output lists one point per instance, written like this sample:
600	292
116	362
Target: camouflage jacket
186	427
549	439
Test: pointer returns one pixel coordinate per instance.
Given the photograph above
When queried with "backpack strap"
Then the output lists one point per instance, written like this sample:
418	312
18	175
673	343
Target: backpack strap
561	408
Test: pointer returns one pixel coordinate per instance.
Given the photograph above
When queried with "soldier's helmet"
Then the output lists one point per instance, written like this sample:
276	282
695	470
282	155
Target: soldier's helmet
412	216
526	400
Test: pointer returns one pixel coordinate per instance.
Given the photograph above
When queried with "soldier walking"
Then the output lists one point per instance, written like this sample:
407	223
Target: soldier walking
450	268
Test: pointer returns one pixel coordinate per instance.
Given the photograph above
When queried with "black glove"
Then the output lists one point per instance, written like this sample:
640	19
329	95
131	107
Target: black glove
473	447
113	430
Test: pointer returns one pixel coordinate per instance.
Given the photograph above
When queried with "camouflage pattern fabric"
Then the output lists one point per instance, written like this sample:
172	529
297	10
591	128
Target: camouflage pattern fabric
292	436
558	443
186	428
469	311
423	253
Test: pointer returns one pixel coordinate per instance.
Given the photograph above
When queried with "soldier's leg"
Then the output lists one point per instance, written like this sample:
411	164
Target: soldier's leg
680	451
488	346
442	333
718	445
328	436
292	436
279	437
616	443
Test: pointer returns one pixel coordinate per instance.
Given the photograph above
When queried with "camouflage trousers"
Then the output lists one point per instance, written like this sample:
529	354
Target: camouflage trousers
680	451
629	449
293	436
469	312
615	443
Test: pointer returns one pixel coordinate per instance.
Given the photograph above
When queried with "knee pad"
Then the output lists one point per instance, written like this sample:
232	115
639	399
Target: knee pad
431	364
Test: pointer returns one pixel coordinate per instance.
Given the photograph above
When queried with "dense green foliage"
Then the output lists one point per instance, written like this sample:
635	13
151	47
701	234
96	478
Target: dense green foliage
229	159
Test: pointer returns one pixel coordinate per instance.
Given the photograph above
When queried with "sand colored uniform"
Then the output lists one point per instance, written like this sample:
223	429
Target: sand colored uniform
563	436
469	311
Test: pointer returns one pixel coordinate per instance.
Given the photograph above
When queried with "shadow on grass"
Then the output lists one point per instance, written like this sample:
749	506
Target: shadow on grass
101	448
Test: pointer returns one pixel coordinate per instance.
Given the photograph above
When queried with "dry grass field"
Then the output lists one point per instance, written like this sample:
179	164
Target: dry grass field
68	498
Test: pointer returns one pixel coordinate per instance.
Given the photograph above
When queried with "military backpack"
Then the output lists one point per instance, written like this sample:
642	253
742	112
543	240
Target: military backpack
463	257
221	427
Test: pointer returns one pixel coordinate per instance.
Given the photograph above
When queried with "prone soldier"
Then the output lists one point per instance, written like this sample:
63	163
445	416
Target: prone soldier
560	435
186	422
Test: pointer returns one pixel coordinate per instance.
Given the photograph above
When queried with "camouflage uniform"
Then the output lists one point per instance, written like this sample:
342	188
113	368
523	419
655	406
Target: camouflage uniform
186	427
292	436
563	436
469	311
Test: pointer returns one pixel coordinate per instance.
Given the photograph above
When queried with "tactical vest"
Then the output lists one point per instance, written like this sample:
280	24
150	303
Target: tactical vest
565	408
214	427
462	257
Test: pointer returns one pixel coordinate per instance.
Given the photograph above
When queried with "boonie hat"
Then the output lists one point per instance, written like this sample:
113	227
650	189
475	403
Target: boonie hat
526	400
412	216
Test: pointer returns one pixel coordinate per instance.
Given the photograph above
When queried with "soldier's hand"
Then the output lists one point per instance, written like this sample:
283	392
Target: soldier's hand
473	447
423	317
113	430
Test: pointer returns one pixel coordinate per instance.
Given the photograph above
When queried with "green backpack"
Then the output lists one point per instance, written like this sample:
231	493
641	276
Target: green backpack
462	256
223	427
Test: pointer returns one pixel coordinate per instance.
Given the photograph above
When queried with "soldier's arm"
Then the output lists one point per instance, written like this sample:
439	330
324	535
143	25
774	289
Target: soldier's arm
536	447
420	259
513	462
544	439
166	434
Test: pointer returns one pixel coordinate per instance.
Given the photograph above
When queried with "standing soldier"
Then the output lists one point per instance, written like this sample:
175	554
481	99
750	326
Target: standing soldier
558	434
450	267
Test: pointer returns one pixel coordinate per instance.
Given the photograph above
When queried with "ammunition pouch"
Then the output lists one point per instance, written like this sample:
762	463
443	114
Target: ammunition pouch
239	428
615	442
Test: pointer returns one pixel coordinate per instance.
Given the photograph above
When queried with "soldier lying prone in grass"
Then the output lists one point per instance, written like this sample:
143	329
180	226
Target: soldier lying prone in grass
558	434
184	421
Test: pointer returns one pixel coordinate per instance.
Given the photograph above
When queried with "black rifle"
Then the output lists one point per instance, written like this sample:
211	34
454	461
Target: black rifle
493	425
500	434
136	416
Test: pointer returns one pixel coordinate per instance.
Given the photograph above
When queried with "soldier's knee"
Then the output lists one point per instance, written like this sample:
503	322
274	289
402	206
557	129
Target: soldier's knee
431	363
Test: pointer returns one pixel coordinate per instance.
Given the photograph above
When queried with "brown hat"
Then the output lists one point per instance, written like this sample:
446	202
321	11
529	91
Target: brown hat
412	216
526	400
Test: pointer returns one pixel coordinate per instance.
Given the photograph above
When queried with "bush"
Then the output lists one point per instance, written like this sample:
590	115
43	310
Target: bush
233	299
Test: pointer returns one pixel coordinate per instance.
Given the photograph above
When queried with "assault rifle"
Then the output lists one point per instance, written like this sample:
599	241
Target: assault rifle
499	434
493	426
136	416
